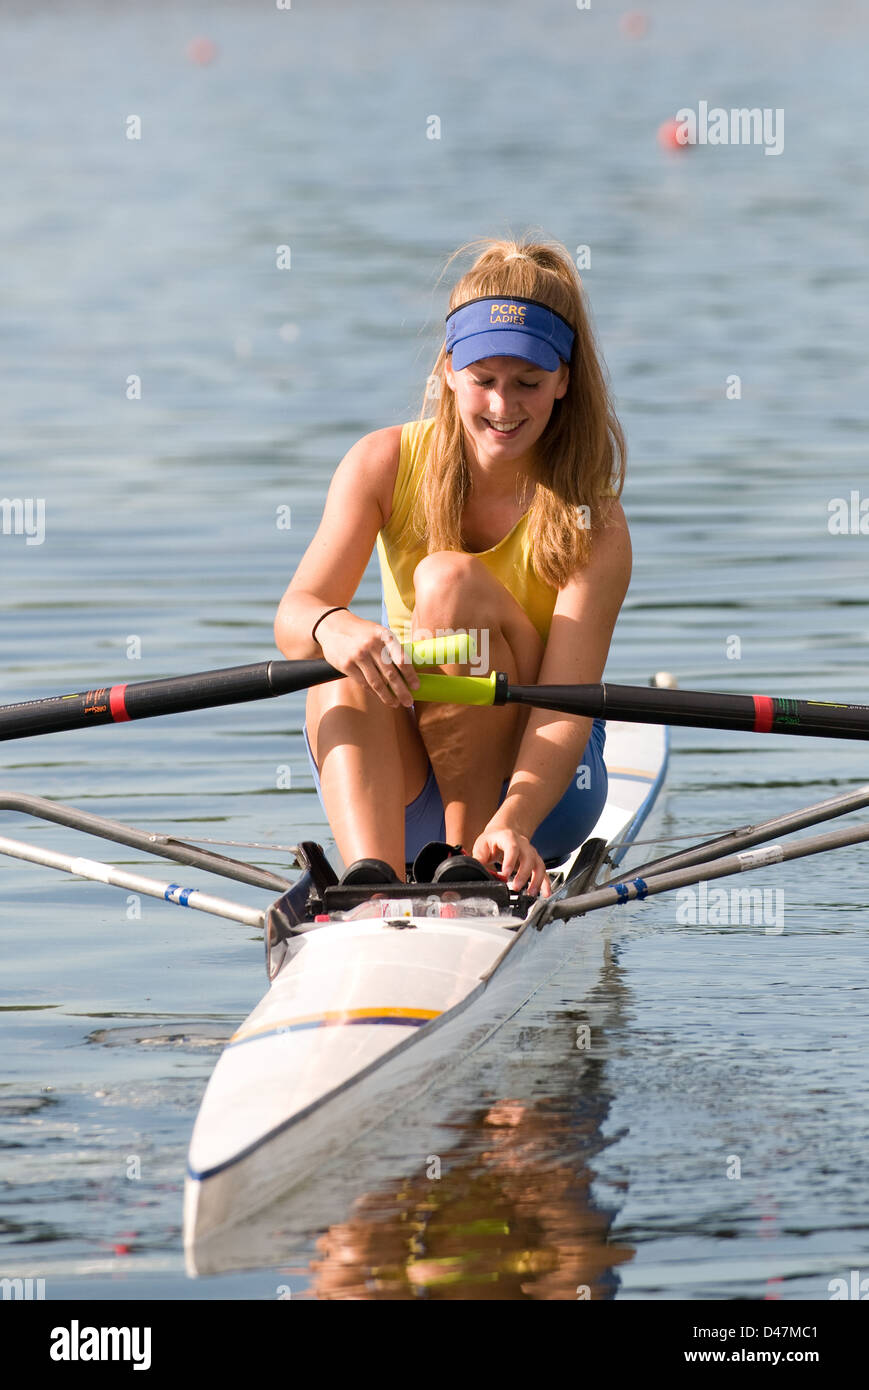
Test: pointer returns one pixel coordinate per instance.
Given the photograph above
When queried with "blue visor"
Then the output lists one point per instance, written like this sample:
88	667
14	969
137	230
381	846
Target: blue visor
508	328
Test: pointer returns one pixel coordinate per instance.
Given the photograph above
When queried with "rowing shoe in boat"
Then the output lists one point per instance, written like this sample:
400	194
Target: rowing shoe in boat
372	990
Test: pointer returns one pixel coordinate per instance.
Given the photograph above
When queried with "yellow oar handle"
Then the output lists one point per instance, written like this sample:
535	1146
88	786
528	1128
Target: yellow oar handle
457	690
454	649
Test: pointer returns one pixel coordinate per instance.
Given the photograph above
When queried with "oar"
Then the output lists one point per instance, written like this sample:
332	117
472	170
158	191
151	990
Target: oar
699	709
115	704
635	704
232	685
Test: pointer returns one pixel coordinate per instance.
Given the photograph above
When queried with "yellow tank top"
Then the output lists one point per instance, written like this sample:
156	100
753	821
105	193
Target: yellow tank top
509	561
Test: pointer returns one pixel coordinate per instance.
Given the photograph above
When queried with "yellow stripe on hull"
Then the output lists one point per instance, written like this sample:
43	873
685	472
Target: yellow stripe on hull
336	1018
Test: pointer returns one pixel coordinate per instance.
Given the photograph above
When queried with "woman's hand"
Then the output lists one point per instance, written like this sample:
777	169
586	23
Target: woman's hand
521	865
370	655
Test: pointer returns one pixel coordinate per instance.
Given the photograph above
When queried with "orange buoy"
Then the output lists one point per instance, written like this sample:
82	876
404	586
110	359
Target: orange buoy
634	24
202	51
668	135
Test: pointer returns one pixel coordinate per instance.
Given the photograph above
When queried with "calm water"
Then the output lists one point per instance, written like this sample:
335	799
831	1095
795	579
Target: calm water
161	554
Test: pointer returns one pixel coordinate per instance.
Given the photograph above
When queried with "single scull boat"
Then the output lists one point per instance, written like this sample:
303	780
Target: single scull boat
373	990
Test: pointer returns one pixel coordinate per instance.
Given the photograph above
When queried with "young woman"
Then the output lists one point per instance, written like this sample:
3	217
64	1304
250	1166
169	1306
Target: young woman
499	515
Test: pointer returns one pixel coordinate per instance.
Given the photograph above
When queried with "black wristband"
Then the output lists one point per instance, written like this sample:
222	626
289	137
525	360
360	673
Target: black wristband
339	608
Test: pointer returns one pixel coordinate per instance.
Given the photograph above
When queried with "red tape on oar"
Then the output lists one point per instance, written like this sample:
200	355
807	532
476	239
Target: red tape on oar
118	703
764	713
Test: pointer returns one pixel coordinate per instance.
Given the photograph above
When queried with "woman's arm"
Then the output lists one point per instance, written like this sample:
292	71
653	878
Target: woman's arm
358	504
582	626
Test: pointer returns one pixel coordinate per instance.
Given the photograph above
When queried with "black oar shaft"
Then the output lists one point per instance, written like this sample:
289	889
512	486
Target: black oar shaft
634	704
699	709
142	700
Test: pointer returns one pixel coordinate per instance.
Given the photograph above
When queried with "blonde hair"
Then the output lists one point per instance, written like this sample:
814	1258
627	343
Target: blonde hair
581	453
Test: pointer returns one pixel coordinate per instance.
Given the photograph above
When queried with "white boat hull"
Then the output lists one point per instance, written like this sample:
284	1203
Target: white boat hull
365	1015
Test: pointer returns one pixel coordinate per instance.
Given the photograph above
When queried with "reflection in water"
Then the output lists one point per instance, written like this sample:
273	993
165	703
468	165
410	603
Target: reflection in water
509	1217
497	1202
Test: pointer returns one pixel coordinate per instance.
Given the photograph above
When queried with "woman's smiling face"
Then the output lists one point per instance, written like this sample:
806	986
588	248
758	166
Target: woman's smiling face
504	403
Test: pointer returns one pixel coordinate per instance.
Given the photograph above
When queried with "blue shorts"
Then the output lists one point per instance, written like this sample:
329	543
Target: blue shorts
569	822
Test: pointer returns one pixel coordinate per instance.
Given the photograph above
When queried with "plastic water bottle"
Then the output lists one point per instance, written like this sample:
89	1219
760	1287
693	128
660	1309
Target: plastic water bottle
446	907
470	907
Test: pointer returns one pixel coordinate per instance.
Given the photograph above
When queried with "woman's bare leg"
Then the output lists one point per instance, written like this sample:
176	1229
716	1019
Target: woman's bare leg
372	763
472	750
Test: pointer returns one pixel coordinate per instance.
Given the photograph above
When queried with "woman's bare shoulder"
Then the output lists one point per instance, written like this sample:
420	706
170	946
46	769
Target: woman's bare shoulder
373	462
378	449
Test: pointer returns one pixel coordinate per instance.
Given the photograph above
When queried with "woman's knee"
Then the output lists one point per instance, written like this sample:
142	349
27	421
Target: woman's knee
445	573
